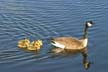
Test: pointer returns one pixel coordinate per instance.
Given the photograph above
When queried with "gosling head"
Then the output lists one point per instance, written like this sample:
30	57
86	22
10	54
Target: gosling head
26	41
89	23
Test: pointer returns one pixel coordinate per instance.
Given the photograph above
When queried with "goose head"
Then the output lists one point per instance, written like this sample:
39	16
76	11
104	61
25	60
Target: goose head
89	23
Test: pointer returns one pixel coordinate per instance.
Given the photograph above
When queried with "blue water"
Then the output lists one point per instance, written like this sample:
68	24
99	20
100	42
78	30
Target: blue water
43	19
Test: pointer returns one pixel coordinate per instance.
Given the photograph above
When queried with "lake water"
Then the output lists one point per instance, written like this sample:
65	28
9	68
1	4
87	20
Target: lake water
43	19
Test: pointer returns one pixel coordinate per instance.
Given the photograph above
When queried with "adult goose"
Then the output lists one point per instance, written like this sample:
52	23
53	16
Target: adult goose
71	42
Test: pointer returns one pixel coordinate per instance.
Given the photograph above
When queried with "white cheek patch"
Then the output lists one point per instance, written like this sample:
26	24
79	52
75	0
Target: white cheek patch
89	24
58	45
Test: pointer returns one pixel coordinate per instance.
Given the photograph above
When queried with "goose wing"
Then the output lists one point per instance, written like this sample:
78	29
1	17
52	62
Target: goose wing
69	42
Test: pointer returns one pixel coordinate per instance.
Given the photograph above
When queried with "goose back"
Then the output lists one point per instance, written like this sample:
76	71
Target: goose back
69	42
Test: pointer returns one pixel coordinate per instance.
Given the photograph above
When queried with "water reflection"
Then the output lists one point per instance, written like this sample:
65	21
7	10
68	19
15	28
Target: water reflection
83	52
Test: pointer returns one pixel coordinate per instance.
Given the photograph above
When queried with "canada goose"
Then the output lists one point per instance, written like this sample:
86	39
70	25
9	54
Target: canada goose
24	43
71	42
35	45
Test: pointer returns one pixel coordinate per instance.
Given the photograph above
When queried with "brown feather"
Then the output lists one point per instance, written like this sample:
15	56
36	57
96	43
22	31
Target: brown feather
69	42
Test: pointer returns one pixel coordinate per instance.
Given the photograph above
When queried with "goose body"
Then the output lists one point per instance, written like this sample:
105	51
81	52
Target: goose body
71	42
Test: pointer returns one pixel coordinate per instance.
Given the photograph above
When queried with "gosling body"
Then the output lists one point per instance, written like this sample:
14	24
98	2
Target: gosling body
24	43
35	45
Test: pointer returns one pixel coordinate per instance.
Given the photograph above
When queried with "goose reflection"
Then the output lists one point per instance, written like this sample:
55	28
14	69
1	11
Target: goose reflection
86	63
83	52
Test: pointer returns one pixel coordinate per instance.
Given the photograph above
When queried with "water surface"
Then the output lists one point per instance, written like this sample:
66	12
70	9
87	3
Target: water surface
43	19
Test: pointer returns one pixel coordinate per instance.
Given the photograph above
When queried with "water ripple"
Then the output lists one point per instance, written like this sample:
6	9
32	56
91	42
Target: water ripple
43	19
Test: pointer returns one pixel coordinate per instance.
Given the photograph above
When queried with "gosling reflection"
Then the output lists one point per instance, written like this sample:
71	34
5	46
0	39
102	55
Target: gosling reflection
83	51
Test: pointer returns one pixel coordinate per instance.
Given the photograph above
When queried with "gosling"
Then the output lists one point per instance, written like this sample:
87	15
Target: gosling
35	45
24	43
71	43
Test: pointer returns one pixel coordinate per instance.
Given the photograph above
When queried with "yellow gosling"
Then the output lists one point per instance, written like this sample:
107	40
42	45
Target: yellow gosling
40	42
35	45
24	43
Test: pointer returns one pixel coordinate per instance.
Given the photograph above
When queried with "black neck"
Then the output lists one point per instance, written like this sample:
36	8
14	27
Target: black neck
85	32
